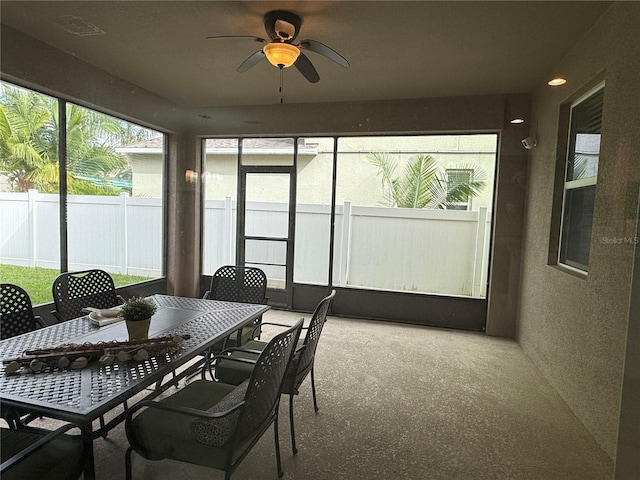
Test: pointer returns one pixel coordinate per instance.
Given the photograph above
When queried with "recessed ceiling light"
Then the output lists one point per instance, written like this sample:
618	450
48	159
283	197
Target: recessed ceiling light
557	81
517	120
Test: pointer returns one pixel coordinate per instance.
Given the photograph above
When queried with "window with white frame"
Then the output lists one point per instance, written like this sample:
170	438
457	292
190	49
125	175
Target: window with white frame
455	179
581	174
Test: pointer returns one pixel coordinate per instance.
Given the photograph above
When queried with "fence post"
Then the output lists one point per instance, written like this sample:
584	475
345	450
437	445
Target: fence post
31	198
227	234
124	236
479	252
345	244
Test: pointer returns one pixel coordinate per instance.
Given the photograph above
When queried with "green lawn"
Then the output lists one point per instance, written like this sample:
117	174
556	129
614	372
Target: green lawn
37	281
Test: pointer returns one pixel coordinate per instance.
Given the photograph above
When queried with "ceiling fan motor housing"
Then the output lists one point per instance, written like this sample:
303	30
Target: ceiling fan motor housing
281	25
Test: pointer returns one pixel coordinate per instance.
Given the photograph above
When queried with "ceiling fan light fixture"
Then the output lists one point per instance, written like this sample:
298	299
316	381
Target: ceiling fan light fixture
281	54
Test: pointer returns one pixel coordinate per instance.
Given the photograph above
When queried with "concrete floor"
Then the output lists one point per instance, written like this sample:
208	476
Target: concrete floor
407	402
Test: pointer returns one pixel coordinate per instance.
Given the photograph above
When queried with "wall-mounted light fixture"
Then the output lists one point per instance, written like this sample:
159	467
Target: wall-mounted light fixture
190	176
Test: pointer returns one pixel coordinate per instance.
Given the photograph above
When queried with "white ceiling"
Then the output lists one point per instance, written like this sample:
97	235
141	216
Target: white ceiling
397	49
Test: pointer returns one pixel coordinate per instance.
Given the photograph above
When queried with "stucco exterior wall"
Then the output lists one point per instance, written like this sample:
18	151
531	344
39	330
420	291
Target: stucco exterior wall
574	328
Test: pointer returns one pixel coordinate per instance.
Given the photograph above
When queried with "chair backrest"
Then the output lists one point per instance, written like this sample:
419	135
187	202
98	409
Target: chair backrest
263	392
29	453
233	283
73	291
16	311
305	360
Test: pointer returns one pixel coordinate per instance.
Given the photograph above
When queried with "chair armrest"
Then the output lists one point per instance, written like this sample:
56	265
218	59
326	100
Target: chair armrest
249	361
31	449
121	298
273	324
240	360
237	349
276	324
40	322
180	409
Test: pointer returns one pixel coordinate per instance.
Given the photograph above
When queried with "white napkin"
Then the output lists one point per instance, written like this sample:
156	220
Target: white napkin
103	316
104	312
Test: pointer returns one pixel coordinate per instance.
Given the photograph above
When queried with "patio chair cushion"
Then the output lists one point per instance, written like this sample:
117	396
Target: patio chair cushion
178	436
235	372
58	459
246	334
218	431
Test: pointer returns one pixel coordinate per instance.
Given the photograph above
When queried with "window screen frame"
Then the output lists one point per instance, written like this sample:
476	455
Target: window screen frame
569	238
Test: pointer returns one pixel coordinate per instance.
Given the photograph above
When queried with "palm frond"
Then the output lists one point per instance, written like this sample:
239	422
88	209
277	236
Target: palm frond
424	183
386	168
29	126
414	191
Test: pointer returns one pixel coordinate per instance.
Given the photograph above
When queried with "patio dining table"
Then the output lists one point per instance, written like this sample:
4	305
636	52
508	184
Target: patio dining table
84	395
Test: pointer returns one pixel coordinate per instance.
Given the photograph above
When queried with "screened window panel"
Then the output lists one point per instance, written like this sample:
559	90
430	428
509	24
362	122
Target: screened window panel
114	191
393	228
220	188
313	210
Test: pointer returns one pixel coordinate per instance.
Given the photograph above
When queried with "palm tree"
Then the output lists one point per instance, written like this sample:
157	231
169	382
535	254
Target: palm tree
424	184
29	144
25	144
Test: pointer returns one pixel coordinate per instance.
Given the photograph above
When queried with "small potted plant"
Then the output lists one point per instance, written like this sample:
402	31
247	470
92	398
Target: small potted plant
137	313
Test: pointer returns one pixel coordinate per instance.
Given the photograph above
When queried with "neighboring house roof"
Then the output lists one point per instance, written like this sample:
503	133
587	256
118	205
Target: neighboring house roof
264	146
107	182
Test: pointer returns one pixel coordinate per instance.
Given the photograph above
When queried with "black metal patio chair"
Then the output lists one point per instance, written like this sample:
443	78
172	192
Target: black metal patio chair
301	365
73	291
213	424
35	454
16	312
233	283
16	318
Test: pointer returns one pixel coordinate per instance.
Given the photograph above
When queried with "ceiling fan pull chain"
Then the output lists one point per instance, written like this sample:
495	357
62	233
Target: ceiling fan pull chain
281	82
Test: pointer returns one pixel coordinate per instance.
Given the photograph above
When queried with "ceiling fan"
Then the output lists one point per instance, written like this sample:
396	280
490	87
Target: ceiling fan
282	28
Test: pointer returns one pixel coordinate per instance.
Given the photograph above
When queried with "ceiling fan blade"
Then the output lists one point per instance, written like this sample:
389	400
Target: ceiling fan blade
251	61
252	37
322	49
308	71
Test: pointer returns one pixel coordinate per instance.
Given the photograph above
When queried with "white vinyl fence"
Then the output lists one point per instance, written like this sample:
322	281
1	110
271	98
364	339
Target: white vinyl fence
428	251
118	234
